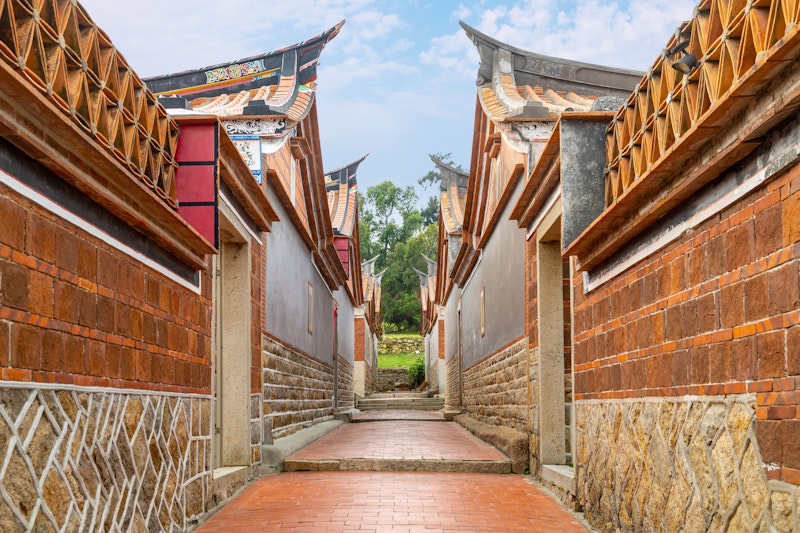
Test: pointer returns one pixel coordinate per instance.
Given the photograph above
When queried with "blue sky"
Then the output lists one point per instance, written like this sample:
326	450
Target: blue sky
399	80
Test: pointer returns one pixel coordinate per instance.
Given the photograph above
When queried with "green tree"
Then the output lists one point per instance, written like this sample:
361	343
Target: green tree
388	216
430	213
400	285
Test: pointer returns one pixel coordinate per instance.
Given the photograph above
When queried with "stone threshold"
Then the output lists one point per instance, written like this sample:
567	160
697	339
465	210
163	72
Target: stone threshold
562	476
398	465
511	442
273	455
227	479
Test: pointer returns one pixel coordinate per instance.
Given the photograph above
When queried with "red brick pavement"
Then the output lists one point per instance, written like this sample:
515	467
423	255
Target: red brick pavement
391	501
400	439
399	414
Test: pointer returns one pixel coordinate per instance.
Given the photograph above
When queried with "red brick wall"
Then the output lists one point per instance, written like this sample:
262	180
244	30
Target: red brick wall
75	310
358	344
440	347
715	312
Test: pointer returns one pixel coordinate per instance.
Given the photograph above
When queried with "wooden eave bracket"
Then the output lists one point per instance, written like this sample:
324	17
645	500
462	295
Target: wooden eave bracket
31	123
492	146
548	158
680	171
300	147
508	192
240	180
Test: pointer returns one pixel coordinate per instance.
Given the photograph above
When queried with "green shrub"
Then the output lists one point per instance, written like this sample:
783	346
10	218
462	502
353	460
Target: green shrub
417	371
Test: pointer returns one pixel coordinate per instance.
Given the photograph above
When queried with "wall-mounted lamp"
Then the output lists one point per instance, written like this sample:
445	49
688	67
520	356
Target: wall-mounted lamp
686	64
678	48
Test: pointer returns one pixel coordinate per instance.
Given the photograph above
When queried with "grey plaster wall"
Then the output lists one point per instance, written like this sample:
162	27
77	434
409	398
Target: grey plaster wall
346	331
501	274
432	346
583	159
289	270
451	324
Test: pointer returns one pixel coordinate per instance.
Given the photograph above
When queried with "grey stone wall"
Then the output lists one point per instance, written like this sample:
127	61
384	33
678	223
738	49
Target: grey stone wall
401	344
346	394
298	390
82	460
387	377
669	464
433	376
452	397
496	389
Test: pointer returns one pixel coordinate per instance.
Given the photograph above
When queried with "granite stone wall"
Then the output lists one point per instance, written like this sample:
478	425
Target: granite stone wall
88	460
298	390
670	464
386	378
452	397
496	388
346	395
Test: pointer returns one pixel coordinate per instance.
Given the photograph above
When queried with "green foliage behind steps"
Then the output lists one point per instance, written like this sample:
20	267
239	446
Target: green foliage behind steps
396	360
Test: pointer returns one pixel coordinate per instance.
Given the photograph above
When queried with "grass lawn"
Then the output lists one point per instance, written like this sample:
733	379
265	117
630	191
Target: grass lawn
396	360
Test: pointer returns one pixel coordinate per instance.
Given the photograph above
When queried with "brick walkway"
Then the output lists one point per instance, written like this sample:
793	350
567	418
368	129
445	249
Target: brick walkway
401	439
398	414
391	501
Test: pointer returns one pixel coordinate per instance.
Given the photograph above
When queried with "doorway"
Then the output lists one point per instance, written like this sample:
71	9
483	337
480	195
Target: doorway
232	342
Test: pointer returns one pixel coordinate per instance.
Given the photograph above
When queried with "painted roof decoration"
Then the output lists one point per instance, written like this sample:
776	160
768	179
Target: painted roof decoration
427	283
518	84
342	188
368	278
60	51
452	194
278	83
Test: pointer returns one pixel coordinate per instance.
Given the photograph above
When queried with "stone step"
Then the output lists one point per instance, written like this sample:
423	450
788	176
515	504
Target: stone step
398	465
400	394
420	404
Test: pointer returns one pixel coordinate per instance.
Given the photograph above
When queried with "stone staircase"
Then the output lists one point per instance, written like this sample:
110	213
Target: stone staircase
419	401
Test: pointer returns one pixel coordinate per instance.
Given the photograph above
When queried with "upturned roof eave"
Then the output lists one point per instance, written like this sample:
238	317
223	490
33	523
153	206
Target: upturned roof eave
553	72
187	79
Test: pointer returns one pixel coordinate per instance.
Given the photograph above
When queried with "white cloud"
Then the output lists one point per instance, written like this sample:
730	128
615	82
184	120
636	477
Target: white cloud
373	25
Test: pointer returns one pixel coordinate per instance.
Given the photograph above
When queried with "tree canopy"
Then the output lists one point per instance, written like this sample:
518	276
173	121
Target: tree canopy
392	227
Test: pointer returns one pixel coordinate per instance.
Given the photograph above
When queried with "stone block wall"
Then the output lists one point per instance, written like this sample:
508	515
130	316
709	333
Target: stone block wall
675	464
496	388
452	395
433	376
410	344
103	460
387	377
298	390
346	396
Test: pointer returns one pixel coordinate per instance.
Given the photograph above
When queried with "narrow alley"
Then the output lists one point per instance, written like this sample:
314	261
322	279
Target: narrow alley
399	471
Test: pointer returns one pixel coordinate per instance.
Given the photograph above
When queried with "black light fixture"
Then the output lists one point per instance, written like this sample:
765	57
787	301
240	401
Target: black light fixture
686	64
680	47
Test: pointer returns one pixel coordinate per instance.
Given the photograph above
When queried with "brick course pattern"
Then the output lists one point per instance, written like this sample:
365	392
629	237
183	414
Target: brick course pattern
433	376
496	389
671	464
298	390
386	378
452	396
76	311
346	394
112	461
